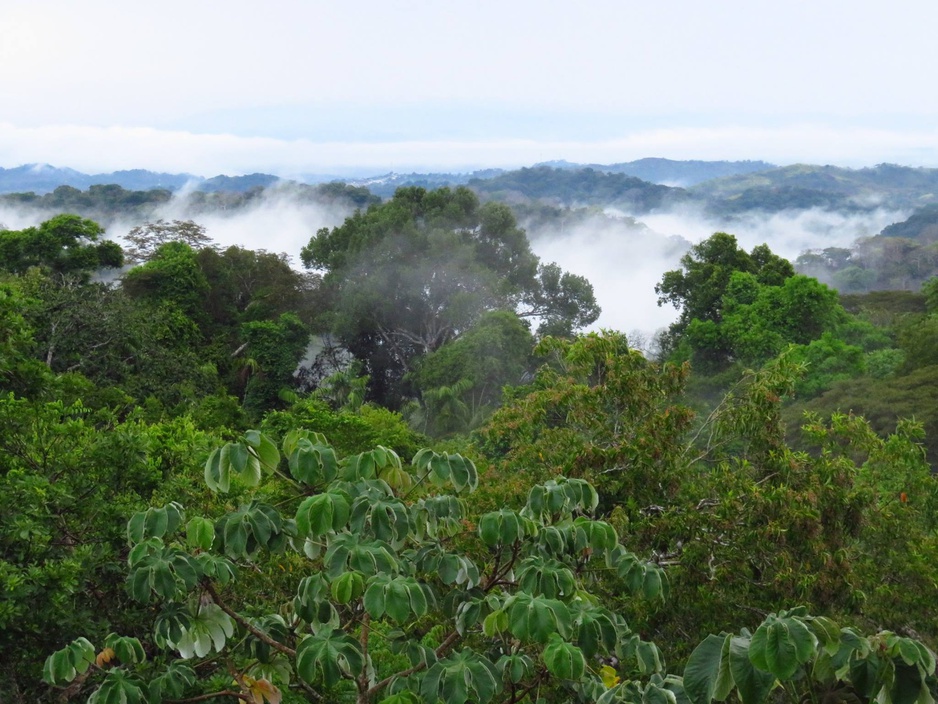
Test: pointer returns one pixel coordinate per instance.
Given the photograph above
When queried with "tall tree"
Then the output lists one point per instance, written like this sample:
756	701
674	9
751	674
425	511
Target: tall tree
65	244
408	276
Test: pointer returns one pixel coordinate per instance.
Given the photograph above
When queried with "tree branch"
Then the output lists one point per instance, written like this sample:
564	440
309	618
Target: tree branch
444	648
253	630
366	630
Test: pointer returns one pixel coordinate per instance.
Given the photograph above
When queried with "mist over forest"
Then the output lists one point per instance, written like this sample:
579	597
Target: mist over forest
619	232
531	435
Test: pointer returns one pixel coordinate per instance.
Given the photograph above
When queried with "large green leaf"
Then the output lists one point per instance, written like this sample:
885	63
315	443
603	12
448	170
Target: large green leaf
348	587
385	519
556	498
439	516
782	644
753	685
398	597
543	576
515	668
646	655
253	526
66	664
162	570
641	577
564	660
128	650
312	603
596	536
461	677
704	671
460	472
200	533
380	463
209	630
349	552
264	448
505	527
117	688
326	658
232	459
311	460
171	683
536	618
323	513
155	522
596	630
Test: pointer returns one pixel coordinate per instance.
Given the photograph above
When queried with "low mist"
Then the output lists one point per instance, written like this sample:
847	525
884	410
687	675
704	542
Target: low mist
278	221
623	257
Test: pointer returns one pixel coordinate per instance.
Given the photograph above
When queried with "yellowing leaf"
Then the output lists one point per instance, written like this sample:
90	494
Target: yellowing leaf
259	690
609	677
104	657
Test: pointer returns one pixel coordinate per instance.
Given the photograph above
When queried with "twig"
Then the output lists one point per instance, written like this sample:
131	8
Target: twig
439	652
256	632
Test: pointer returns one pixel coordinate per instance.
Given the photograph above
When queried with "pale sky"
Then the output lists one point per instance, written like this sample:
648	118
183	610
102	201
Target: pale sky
327	87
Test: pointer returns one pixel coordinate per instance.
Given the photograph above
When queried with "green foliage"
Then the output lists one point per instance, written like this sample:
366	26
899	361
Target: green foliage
419	271
697	289
808	657
70	476
494	353
171	275
144	240
377	558
65	244
348	433
599	411
930	291
745	308
580	186
276	348
145	350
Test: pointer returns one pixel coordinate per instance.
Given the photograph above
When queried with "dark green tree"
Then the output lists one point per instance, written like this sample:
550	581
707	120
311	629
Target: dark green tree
408	276
65	244
171	276
494	353
698	287
272	349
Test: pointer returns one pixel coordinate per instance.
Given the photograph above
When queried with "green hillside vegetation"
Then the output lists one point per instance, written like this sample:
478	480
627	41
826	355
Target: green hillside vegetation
578	187
471	500
901	257
806	186
109	203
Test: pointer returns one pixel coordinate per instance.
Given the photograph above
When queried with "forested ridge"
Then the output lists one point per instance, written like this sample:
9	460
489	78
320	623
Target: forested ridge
406	474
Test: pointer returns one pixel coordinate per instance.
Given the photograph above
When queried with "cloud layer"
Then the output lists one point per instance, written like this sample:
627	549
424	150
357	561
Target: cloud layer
98	149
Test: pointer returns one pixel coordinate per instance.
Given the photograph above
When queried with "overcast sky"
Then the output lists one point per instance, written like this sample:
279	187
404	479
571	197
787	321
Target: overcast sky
326	87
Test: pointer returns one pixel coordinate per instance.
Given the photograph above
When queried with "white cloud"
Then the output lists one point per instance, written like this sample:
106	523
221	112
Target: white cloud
97	149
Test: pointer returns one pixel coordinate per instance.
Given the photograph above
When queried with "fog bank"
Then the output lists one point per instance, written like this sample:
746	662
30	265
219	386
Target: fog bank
624	261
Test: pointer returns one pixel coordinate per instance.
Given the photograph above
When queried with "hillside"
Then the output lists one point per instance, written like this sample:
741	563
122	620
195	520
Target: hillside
568	187
807	186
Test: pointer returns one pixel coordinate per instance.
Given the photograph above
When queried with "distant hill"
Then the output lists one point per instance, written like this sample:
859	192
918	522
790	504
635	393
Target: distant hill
42	178
805	186
578	187
670	172
385	185
108	204
236	184
921	225
731	188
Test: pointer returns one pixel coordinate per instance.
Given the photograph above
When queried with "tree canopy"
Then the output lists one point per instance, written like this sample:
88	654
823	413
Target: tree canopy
408	276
